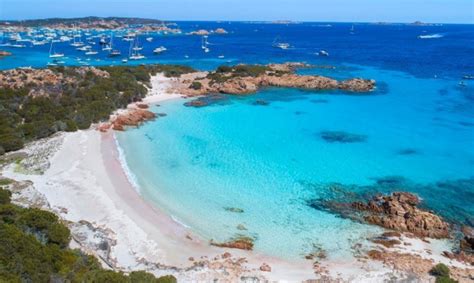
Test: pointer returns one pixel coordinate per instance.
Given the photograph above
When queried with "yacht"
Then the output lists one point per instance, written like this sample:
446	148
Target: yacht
91	52
114	53
149	39
323	53
84	48
282	45
159	50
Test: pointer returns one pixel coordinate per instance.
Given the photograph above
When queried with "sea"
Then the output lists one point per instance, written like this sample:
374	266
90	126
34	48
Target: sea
240	168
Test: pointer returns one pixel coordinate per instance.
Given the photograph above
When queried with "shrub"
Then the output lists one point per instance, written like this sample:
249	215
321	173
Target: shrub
440	270
196	86
145	277
445	279
5	196
33	248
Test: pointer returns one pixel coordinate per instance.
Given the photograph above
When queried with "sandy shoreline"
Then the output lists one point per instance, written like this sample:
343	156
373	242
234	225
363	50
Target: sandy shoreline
86	181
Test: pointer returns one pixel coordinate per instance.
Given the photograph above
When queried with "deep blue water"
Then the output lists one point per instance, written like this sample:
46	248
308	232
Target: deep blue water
395	47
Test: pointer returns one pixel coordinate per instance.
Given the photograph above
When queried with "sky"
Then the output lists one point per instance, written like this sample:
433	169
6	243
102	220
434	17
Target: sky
432	11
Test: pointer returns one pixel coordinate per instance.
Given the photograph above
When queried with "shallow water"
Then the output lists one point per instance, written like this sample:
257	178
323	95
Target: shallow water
270	160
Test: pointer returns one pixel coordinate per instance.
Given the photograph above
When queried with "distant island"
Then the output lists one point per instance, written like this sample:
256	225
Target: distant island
92	23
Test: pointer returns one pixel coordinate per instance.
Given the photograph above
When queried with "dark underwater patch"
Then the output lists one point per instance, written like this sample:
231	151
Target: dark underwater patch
408	151
319	101
342	137
261	102
214	99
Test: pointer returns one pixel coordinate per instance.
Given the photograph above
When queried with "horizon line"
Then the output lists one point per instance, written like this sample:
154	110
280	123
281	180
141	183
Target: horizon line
263	21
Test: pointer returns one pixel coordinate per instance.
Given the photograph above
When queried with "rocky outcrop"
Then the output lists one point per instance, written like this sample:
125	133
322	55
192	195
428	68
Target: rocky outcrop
248	79
4	53
133	117
44	82
239	242
265	267
357	85
399	212
220	31
207	32
199	32
467	242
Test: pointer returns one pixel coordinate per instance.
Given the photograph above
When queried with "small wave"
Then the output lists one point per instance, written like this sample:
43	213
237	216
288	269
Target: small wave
179	222
130	176
430	36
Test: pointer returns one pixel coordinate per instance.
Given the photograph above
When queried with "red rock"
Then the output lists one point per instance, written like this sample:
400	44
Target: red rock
398	211
142	105
132	118
241	242
226	255
265	267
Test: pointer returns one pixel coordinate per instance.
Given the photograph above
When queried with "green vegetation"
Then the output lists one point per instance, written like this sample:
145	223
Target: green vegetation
441	272
196	85
224	73
33	248
75	105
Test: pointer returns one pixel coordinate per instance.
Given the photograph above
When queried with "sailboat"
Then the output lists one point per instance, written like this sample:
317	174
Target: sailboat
204	44
91	52
137	46
352	30
108	46
134	54
54	54
76	43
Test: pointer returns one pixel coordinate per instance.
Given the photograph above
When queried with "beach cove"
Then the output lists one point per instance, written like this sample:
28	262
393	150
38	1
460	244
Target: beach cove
90	179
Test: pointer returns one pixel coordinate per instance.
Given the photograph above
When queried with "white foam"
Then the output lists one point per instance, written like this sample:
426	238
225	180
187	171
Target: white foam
123	162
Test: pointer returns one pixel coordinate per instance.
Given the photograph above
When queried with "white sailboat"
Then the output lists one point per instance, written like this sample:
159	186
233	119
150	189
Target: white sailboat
54	54
134	54
352	31
76	43
108	46
204	44
137	46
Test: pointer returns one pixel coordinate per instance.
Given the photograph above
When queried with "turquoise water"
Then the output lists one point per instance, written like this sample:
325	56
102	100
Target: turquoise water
270	160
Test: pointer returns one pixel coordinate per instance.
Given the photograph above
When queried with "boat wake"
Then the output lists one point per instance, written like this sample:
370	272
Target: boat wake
430	36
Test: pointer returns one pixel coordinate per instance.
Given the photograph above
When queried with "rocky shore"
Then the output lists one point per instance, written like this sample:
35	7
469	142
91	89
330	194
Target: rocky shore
4	53
248	79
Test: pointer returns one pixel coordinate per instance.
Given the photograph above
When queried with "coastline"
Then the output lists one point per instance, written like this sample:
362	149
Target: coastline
87	181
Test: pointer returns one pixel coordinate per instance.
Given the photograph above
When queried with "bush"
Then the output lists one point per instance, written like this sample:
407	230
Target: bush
144	277
440	270
196	86
5	196
10	142
445	279
33	248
